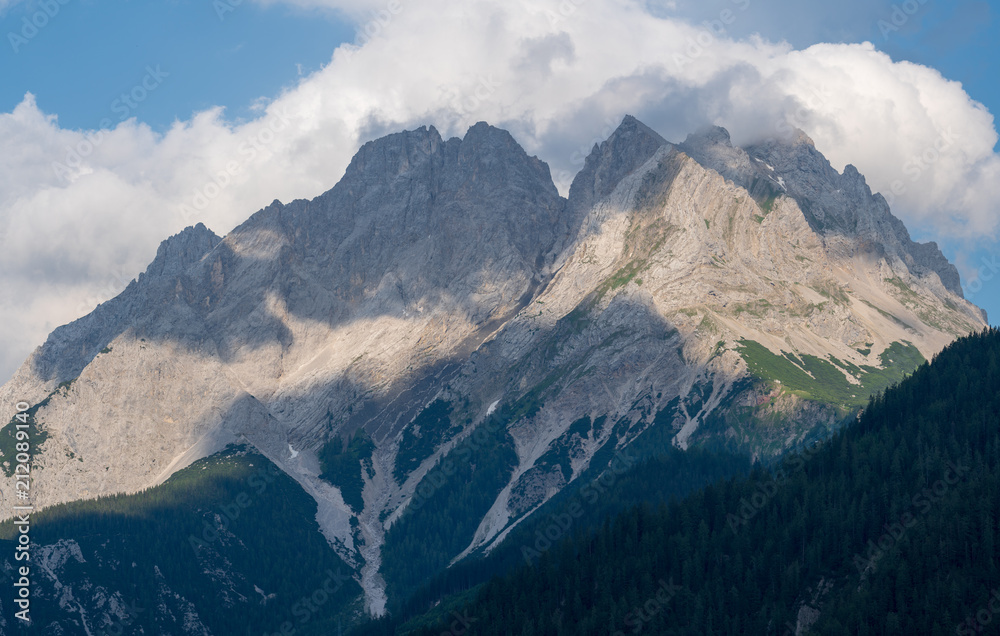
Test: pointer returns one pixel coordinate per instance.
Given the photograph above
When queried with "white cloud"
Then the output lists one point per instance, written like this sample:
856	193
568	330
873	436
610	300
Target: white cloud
557	74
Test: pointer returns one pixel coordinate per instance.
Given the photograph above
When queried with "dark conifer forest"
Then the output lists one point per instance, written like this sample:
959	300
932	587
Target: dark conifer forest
889	527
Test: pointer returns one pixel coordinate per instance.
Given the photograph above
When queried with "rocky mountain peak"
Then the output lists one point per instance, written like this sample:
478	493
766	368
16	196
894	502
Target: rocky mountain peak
712	147
843	204
709	136
628	147
798	137
442	283
488	155
392	155
182	250
834	204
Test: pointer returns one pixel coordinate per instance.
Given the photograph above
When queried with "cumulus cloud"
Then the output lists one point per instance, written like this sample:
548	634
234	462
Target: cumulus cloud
83	211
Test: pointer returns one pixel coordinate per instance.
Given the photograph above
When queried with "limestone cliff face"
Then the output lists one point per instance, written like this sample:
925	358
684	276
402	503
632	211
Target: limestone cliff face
696	287
741	298
837	206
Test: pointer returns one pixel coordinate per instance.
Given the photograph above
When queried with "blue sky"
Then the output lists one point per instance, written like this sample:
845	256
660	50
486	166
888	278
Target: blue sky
92	51
556	73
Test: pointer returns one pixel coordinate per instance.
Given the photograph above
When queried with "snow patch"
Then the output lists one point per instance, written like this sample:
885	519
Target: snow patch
769	166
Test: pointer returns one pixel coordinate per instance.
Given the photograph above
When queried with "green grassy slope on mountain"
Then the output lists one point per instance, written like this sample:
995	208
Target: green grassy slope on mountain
817	379
890	527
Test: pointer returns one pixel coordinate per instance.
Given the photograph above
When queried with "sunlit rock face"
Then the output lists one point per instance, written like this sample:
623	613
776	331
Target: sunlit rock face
740	298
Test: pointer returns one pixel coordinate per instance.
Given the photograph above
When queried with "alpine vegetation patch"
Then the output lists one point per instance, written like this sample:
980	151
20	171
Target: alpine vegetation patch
306	607
439	475
460	625
228	513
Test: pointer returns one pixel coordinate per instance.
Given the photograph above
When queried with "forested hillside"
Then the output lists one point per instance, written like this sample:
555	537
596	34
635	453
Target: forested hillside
229	545
890	527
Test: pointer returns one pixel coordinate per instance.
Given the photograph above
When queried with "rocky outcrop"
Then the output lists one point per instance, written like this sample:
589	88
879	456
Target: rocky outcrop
835	204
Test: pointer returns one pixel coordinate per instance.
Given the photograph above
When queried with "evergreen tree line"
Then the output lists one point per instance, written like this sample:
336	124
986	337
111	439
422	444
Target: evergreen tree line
889	527
210	533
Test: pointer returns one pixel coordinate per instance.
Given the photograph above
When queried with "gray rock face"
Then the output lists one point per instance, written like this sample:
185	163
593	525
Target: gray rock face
834	204
72	347
452	269
630	146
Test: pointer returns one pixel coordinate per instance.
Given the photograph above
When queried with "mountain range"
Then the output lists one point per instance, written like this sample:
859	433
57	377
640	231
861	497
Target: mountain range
441	345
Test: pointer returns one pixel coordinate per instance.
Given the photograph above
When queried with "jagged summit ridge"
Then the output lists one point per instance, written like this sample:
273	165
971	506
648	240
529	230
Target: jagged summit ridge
451	271
628	147
182	250
833	203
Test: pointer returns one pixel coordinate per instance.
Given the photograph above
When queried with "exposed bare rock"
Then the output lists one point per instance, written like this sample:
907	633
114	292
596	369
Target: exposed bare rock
744	298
